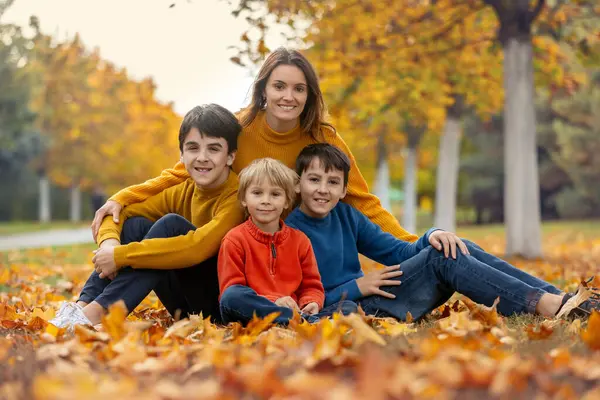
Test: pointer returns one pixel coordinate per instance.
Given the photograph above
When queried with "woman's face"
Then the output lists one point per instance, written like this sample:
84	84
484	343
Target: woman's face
286	93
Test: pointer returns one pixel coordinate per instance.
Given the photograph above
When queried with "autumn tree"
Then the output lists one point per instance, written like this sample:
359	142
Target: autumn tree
361	36
103	128
19	141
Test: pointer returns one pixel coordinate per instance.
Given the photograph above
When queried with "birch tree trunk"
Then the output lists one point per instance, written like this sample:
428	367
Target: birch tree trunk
382	179
75	204
44	199
447	171
521	189
409	217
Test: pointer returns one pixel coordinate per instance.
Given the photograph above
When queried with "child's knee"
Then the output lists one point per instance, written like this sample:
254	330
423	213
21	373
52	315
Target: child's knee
347	307
471	245
232	297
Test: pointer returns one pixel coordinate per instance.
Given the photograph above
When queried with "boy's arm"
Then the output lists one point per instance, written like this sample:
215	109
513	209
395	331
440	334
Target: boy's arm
231	268
137	193
358	196
152	208
185	250
311	288
381	246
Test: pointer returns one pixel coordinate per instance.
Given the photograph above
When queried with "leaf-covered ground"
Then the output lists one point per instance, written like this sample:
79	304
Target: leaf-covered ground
462	351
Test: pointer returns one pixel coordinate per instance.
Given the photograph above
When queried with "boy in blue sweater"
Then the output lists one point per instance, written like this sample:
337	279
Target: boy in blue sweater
431	269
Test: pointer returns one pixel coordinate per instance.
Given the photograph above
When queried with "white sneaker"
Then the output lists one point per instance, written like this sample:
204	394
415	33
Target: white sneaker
68	315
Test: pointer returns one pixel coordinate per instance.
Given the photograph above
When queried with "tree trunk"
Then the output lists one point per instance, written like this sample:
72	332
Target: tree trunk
75	211
447	173
44	200
521	189
409	217
382	179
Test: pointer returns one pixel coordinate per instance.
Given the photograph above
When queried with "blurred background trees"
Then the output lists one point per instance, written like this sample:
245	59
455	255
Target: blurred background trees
458	111
71	125
436	64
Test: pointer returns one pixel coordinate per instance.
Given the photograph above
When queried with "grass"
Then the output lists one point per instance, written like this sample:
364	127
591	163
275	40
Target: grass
568	230
56	255
13	228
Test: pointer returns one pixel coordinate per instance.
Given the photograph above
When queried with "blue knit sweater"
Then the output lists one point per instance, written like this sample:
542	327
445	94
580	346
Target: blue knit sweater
338	239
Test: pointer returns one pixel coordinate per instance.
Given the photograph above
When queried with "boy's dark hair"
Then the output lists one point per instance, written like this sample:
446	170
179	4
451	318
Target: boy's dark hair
329	155
214	121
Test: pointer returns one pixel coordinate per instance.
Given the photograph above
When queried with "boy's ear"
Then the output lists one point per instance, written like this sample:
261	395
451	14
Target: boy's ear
231	158
344	192
297	188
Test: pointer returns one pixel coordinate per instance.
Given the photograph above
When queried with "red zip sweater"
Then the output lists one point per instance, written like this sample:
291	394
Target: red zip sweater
274	266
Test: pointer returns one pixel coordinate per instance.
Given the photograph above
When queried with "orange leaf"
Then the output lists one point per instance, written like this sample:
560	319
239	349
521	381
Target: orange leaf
487	315
539	332
591	335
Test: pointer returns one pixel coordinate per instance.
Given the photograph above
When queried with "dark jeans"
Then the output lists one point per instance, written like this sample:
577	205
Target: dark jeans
191	290
430	279
239	303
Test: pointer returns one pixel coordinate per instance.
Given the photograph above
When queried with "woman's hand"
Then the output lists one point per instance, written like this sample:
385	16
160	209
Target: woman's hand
448	242
110	207
371	282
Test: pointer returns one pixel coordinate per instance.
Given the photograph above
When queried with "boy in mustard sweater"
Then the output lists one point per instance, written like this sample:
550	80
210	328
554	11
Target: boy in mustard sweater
169	242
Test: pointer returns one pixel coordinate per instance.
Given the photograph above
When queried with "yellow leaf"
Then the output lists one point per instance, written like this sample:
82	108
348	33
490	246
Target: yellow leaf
114	321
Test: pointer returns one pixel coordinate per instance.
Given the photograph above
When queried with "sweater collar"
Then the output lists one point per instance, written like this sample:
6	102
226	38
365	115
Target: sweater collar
313	220
265	237
201	193
270	135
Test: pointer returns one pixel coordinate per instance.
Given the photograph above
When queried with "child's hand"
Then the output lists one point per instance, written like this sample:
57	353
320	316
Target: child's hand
288	302
371	282
448	241
104	262
311	308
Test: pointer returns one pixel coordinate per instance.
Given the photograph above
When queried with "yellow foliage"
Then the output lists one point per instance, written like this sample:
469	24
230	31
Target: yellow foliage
104	128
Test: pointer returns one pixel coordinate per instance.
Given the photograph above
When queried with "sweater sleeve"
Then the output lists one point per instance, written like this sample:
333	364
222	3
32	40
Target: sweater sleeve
185	250
359	197
381	246
231	268
311	288
137	193
152	208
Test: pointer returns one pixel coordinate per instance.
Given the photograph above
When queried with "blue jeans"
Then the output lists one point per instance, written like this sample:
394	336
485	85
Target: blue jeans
191	290
239	303
429	280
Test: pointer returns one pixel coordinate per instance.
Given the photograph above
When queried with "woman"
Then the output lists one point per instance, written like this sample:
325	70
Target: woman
287	112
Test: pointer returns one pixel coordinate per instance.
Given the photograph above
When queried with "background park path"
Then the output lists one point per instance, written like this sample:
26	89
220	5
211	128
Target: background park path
53	237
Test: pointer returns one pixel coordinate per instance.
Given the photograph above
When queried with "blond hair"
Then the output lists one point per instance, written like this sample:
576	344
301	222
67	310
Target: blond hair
277	174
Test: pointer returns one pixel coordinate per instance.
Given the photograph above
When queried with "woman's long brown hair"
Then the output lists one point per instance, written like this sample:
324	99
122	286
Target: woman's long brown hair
312	118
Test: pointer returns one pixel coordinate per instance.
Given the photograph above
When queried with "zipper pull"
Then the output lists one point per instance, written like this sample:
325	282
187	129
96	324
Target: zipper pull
273	251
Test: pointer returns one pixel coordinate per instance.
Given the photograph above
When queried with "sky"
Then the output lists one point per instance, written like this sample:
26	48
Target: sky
183	48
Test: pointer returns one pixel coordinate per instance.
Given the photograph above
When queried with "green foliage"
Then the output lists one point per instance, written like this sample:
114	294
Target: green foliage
19	142
571	135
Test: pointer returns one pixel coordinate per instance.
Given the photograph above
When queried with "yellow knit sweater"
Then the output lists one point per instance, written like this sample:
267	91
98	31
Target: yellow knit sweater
258	140
213	211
